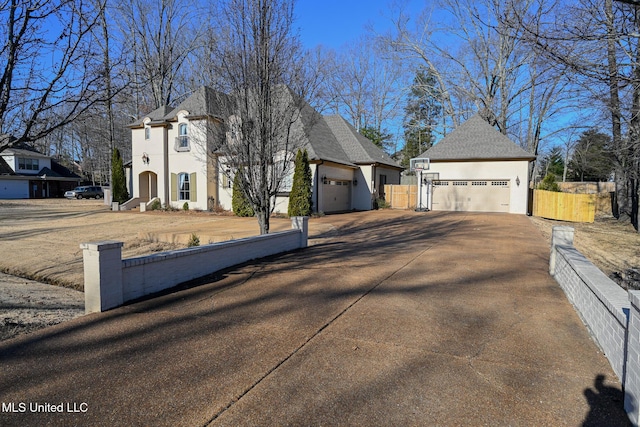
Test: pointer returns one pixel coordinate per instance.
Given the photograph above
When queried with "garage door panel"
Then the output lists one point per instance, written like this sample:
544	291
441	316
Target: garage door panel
471	195
10	189
336	195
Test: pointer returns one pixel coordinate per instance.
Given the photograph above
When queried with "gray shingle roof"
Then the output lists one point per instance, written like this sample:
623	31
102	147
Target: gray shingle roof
63	171
25	151
357	147
156	116
204	102
323	144
329	138
476	139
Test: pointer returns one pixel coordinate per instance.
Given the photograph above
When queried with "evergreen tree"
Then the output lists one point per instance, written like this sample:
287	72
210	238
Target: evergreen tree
239	202
118	182
592	158
549	183
553	163
378	137
300	198
423	107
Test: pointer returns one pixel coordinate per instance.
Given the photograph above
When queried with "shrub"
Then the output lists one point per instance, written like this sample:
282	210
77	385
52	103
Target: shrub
549	183
194	240
118	182
239	202
300	198
382	203
155	205
185	207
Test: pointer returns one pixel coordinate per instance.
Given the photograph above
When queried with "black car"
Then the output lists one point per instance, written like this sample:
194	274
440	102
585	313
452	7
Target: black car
85	192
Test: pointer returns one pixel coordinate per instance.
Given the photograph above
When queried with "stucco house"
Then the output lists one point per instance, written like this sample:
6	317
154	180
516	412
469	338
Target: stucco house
174	159
476	168
28	174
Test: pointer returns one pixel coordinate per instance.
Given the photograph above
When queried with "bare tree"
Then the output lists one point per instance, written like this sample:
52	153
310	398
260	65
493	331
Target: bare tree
415	45
47	78
365	84
484	64
597	42
162	34
262	64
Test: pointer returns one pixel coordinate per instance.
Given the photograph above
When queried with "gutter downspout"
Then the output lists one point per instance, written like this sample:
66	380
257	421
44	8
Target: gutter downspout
373	185
165	173
317	186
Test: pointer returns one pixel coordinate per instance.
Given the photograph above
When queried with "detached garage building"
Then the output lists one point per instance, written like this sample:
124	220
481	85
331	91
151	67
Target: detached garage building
477	169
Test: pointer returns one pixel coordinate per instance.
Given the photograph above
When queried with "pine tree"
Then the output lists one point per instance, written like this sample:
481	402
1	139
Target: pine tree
549	183
300	198
118	181
378	137
239	202
423	107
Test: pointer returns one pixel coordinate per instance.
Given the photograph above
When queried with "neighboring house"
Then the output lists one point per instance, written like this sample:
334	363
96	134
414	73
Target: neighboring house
476	168
27	174
175	158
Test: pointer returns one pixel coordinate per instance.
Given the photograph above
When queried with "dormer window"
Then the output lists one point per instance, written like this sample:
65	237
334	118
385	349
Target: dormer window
28	164
182	141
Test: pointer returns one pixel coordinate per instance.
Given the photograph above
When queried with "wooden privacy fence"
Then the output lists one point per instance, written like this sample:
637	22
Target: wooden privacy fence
564	206
401	196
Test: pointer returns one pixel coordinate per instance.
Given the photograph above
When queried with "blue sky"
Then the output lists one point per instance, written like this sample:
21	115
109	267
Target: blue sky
332	23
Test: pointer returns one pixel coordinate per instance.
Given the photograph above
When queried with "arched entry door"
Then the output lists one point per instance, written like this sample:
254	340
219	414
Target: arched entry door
148	185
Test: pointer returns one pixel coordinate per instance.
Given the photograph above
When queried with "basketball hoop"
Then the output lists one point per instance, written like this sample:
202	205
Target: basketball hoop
419	164
425	181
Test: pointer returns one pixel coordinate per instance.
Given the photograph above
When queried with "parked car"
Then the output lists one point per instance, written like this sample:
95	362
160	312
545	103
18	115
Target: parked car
85	192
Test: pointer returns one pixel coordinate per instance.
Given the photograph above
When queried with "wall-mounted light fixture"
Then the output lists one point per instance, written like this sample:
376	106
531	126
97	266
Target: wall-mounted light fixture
518	181
355	182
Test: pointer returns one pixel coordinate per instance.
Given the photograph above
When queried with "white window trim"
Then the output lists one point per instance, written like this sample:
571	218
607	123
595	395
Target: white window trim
186	192
183	141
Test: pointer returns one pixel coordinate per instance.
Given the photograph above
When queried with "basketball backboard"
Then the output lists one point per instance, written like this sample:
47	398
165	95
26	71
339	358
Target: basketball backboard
419	164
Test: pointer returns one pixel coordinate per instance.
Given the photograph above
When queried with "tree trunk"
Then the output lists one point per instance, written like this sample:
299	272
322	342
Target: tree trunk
614	105
634	137
263	221
108	87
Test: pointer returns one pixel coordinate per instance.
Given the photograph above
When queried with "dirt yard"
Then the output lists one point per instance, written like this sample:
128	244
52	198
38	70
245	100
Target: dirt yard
40	239
612	245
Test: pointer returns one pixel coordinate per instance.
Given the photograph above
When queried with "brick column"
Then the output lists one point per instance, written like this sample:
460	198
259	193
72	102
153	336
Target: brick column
301	223
102	275
560	236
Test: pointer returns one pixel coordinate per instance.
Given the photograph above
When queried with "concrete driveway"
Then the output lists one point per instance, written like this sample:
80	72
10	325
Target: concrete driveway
392	318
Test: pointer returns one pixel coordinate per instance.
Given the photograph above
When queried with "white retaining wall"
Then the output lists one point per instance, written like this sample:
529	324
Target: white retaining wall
611	314
110	281
632	374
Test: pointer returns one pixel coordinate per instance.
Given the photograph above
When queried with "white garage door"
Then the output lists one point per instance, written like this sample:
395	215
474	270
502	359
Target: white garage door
471	195
336	195
10	189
